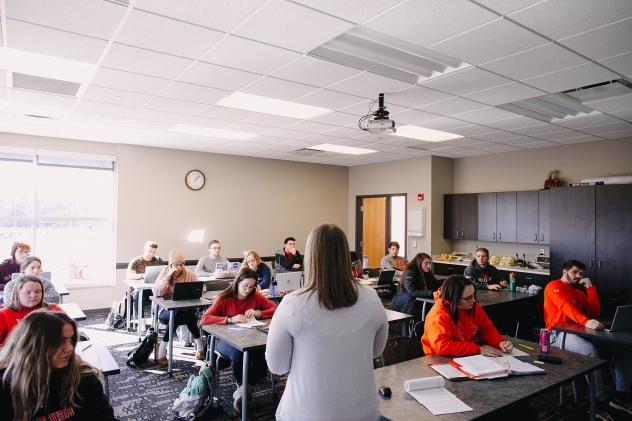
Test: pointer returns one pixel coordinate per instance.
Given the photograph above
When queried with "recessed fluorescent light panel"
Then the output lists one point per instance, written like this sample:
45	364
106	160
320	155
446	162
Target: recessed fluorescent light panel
421	133
348	150
210	132
45	66
549	108
382	54
262	104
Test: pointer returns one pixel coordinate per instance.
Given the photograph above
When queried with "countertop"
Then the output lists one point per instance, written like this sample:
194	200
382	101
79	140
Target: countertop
520	269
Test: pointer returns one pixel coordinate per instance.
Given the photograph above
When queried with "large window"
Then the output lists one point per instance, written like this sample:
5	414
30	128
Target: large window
64	208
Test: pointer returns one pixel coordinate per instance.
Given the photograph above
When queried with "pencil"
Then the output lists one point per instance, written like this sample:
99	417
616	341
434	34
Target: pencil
525	346
87	347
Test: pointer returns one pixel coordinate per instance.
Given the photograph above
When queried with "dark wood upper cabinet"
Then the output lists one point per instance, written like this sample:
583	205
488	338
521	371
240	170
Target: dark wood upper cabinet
506	217
469	216
544	236
460	217
527	217
451	217
487	216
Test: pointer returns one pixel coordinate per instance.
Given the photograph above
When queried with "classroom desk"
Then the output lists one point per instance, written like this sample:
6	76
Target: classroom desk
73	311
61	290
139	285
173	307
483	396
245	340
98	355
397	317
614	339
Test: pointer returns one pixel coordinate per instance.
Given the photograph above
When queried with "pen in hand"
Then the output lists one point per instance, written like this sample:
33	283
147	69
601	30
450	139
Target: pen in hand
86	347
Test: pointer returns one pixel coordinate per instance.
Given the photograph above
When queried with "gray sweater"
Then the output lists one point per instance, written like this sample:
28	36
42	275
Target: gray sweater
206	265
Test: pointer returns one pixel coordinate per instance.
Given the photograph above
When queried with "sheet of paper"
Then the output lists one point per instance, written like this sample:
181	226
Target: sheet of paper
516	366
439	401
448	371
516	352
251	323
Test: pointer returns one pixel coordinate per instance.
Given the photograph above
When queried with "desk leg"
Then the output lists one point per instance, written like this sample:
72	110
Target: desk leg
139	312
107	388
210	357
244	390
129	307
404	330
154	323
592	395
172	315
61	299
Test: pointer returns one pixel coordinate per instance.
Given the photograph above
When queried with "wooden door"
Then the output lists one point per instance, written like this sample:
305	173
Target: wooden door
543	216
527	217
374	229
469	216
506	217
487	217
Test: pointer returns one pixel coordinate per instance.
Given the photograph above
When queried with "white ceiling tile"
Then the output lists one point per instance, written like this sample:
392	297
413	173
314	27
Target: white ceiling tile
146	124
314	71
356	11
115	96
279	89
348	133
416	96
539	144
445	123
223	15
78	16
489	42
624	115
559	19
368	85
134	82
287	134
104	108
39	98
412	117
308	126
537	61
174	37
249	128
537	129
474	130
588	121
427	22
620	64
363	108
270	120
82	117
137	60
513	123
497	148
337	119
575	77
218	76
174	105
617	134
608	128
208	122
501	136
465	81
292	26
452	106
505	7
603	42
51	42
484	115
331	100
557	135
504	94
226	113
195	93
247	55
612	105
518	141
579	139
153	115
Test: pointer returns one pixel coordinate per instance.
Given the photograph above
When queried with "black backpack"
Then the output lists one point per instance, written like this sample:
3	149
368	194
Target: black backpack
140	355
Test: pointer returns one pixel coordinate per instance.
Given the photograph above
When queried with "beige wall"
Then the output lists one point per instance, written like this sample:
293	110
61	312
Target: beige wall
246	203
442	182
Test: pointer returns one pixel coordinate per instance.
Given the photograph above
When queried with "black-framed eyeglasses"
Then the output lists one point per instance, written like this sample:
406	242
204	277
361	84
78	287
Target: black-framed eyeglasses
469	298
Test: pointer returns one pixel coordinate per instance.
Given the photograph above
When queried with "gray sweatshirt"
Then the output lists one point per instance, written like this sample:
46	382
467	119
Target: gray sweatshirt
206	265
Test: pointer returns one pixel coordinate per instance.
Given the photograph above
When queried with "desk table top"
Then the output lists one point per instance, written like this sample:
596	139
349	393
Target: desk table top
622	338
97	355
243	339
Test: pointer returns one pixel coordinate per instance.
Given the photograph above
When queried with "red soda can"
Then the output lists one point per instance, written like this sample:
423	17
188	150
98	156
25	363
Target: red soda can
544	341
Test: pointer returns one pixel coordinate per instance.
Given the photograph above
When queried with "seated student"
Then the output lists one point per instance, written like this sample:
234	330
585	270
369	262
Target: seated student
174	273
418	282
236	304
574	299
356	264
253	261
392	260
136	270
32	266
457	325
11	265
41	377
288	258
208	265
482	274
27	297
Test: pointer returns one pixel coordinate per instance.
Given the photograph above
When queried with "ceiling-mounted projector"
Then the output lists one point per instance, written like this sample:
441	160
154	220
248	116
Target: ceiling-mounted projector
377	122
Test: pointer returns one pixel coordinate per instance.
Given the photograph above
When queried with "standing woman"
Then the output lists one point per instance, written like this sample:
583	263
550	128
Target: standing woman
41	377
27	296
253	261
326	336
33	266
418	282
174	273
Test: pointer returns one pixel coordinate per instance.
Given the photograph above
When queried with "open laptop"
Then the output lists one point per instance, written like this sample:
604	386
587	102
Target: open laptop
187	290
152	272
233	266
386	278
43	275
622	319
288	281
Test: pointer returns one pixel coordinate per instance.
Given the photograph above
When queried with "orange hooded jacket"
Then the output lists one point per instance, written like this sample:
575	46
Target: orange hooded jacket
444	337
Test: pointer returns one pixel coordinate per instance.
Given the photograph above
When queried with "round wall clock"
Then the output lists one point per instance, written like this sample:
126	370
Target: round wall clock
195	179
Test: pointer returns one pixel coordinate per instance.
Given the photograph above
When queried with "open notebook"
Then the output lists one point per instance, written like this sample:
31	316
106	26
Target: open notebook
429	392
480	367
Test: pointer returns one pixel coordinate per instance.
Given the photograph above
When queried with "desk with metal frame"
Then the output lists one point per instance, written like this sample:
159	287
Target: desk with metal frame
73	311
98	355
139	285
395	317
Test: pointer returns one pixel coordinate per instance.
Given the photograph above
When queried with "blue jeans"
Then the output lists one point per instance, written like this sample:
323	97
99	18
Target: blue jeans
257	367
183	317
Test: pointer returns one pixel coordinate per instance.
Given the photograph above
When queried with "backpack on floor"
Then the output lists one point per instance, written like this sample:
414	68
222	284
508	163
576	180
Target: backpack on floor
196	396
118	313
140	354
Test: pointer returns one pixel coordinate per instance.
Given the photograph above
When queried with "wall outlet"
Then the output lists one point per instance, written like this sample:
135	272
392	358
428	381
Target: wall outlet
414	244
541	252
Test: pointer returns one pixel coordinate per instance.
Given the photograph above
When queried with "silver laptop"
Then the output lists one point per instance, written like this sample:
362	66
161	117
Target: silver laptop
152	272
289	281
233	266
622	319
43	275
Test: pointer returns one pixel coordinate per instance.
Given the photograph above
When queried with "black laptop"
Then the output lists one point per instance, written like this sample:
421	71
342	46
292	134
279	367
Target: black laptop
187	290
622	319
386	278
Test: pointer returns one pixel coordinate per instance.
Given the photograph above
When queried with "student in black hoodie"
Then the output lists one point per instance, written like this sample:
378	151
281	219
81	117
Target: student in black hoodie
41	377
482	274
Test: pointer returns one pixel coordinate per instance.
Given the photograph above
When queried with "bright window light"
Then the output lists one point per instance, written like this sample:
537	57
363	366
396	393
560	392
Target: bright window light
262	104
349	150
208	131
46	66
196	236
421	133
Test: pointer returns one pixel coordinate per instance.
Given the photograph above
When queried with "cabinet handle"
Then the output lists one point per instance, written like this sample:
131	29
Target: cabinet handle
599	265
493	235
590	263
457	235
500	235
535	238
462	235
542	238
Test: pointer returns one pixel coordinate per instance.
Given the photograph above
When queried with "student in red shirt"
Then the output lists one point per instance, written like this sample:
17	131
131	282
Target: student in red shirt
457	325
574	299
27	296
237	304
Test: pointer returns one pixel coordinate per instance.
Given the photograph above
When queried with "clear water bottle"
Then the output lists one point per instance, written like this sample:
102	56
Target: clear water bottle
365	262
273	289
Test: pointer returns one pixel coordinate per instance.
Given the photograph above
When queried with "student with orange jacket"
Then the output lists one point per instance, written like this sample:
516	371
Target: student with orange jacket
456	325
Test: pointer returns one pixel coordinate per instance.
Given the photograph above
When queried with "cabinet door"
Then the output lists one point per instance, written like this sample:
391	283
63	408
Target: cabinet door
469	216
613	233
487	217
506	217
543	216
527	217
572	227
451	217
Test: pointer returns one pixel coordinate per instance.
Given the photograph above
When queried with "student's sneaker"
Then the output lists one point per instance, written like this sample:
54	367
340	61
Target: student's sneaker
199	355
237	399
162	361
621	405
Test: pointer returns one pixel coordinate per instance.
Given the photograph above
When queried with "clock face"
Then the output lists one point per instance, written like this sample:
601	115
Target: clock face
195	179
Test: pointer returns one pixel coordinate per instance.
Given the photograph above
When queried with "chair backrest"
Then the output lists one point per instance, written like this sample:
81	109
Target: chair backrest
399	349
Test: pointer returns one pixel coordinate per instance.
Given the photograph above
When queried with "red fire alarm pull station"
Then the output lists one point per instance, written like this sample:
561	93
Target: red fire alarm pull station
420	197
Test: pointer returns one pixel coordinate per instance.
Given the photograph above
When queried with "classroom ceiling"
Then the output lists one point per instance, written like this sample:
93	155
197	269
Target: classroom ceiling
129	71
